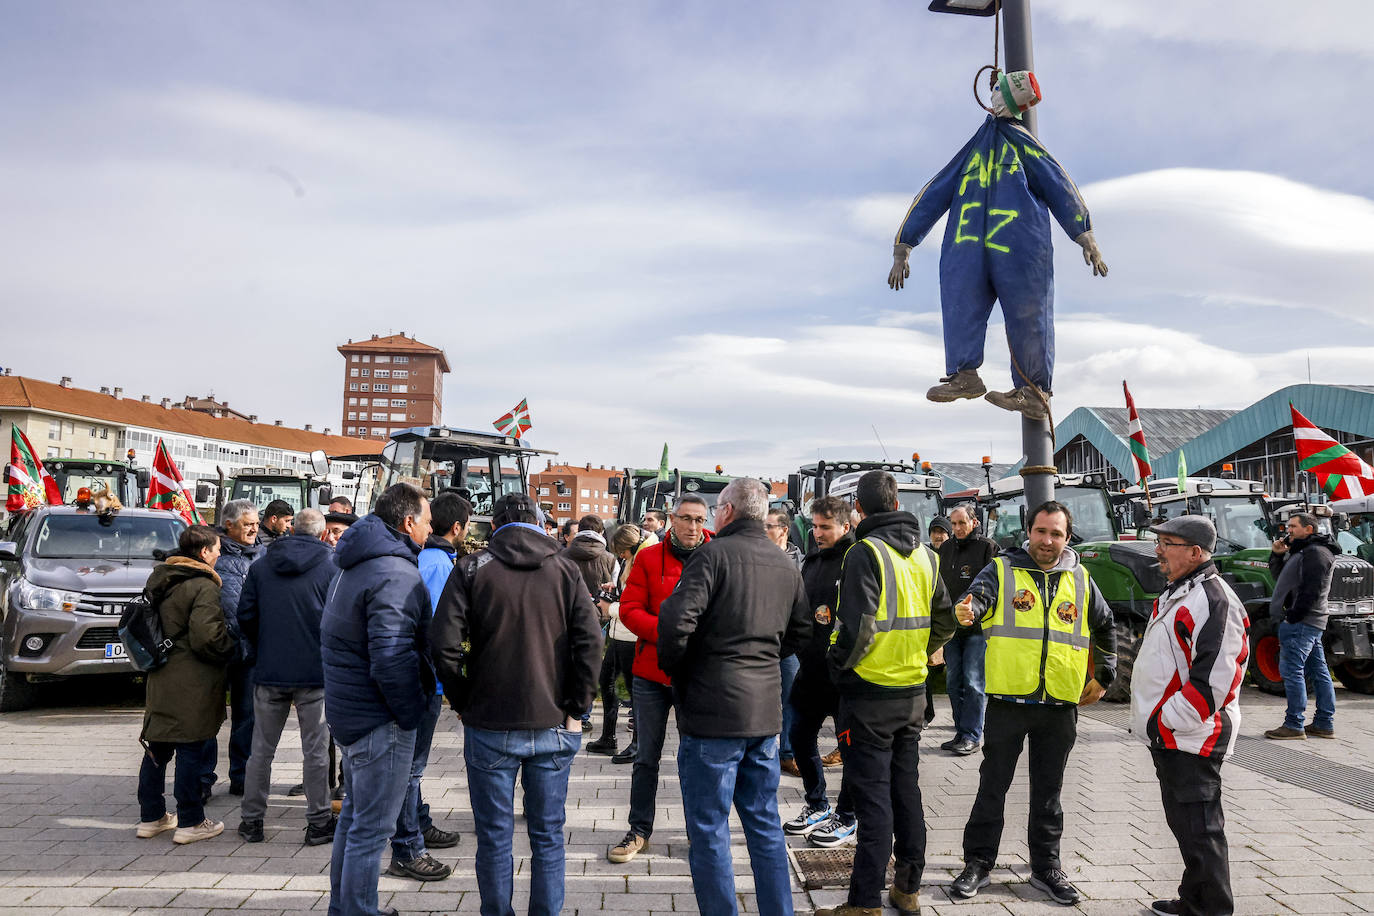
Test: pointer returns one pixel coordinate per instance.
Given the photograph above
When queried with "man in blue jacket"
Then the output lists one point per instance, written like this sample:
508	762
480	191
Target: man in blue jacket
377	684
279	616
238	550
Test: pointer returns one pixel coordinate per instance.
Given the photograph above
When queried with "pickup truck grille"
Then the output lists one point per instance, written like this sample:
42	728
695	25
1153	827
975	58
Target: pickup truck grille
97	637
1352	579
107	604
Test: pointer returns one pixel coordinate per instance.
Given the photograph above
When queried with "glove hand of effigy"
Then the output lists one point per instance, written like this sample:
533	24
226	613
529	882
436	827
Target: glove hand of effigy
896	278
1092	255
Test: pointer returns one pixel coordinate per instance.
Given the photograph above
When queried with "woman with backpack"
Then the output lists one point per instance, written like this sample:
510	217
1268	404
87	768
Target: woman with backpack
185	697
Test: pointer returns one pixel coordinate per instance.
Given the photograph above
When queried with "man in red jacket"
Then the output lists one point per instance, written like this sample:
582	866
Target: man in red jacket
652	578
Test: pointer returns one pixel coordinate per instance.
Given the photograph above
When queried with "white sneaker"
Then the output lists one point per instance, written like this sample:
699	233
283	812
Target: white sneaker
202	831
147	829
835	832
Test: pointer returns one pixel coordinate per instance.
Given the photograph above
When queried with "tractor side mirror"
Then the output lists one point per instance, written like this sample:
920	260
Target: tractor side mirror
794	491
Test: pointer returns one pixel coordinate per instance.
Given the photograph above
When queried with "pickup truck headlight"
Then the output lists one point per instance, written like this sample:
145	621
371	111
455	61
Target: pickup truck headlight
38	598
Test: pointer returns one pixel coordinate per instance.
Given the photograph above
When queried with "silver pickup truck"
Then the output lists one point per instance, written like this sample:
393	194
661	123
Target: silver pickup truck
65	576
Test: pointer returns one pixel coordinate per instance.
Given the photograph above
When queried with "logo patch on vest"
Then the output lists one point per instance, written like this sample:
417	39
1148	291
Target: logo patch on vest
965	572
1067	611
823	615
1023	600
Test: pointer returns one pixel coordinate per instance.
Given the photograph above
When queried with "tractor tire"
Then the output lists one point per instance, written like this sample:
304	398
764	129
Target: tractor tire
1357	676
1127	645
1264	656
16	692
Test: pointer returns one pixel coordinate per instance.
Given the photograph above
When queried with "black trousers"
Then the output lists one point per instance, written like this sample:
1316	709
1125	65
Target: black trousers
879	739
1190	787
1051	731
617	660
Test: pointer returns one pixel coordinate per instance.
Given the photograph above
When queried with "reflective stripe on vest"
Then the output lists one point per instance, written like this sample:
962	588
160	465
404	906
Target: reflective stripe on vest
894	655
1034	650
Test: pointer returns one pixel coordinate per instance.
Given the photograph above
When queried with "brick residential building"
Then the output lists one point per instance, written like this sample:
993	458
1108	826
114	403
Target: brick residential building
570	491
391	383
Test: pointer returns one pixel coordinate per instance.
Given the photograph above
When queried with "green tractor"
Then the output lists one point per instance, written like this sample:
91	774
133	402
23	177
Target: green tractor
812	481
641	490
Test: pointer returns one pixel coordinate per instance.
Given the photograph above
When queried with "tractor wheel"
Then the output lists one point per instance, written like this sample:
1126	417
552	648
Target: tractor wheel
1264	657
1357	675
1127	645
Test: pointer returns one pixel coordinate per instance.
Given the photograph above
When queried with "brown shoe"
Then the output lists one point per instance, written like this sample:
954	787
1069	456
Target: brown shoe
789	767
905	893
627	848
1284	733
832	759
1313	732
845	909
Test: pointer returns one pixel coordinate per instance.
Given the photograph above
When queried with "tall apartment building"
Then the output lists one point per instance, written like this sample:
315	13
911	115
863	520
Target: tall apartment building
391	383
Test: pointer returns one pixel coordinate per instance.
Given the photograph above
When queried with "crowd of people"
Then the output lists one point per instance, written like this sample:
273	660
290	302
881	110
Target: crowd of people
367	626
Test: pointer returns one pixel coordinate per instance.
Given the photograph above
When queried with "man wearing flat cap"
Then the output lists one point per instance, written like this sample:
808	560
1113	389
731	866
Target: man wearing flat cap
1185	705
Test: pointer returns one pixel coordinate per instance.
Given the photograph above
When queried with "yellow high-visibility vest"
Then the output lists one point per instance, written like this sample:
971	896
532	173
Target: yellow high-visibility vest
892	641
1034	651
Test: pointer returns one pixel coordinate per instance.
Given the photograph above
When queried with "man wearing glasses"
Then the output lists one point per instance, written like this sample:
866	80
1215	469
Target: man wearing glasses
653	577
1185	702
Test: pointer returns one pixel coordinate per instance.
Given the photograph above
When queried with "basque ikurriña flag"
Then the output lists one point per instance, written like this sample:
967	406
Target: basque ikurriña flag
515	423
1340	472
1139	453
30	484
167	490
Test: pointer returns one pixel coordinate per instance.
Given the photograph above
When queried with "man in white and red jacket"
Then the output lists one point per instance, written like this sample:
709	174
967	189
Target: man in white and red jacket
1185	704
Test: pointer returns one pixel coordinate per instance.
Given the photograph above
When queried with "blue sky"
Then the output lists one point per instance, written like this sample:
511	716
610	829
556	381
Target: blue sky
700	198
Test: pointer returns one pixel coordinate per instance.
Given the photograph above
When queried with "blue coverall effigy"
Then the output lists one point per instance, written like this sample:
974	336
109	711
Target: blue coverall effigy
999	191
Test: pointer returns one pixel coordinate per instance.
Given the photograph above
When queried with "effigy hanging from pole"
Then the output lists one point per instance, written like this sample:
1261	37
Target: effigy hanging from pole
999	191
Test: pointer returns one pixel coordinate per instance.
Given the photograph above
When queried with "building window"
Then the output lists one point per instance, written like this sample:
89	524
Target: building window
585	494
401	359
398	402
378	416
383	359
379	431
543	491
353	358
399	389
352	373
398	418
382	373
366	373
381	386
55	430
400	373
565	507
366	387
352	415
352	386
586	508
54	452
352	402
66	453
353	430
366	358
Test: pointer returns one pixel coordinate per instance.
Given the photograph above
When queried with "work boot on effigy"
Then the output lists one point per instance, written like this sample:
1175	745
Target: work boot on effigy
1024	400
963	384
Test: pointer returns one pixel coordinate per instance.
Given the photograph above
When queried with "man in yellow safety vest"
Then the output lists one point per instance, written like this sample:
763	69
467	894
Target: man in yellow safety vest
893	611
1039	611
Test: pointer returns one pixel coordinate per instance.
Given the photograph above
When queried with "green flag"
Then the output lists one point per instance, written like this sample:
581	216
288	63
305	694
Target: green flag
1182	473
663	472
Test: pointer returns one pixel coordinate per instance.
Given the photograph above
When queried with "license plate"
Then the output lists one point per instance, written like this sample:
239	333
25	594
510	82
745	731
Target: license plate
114	650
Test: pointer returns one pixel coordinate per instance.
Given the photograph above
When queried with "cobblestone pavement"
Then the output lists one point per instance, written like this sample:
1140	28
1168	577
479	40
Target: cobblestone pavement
67	811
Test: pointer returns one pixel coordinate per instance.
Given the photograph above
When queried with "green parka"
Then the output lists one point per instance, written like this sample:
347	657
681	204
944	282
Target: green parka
185	697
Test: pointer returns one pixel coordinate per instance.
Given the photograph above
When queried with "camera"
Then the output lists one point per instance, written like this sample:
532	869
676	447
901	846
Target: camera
608	595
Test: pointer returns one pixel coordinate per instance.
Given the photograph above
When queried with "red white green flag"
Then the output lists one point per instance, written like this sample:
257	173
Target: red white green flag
30	484
515	423
1139	453
166	489
1340	472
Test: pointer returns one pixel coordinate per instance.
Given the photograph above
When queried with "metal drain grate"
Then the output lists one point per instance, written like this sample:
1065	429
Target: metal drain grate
1351	785
827	868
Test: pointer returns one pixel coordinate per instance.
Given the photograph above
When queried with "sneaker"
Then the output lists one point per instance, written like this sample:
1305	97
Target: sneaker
605	746
832	759
296	791
975	875
149	829
789	768
425	868
1054	882
809	819
834	832
964	746
318	835
963	384
1313	732
1284	733
627	849
439	838
627	755
1024	400
205	830
1167	907
251	831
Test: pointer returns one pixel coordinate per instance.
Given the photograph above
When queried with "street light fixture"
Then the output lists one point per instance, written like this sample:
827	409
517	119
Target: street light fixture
965	7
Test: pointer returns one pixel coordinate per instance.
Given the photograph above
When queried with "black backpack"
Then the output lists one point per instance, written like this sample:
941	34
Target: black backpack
140	629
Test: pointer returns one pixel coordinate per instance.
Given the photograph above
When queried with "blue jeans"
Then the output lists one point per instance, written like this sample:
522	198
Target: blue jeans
653	702
375	778
716	772
542	757
1301	659
194	759
789	666
409	842
964	683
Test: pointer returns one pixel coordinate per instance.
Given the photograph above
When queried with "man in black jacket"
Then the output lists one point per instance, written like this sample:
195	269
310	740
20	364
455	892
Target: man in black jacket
813	697
962	558
893	612
738	608
516	642
1303	564
279	615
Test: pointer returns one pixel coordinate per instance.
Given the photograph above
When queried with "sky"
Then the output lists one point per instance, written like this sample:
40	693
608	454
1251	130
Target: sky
697	200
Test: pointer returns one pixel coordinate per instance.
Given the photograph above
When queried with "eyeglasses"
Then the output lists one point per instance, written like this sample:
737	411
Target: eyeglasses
774	526
1174	544
691	519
